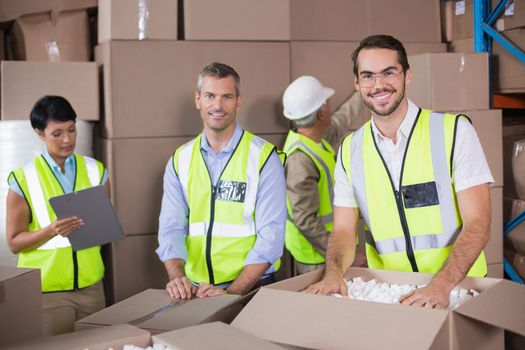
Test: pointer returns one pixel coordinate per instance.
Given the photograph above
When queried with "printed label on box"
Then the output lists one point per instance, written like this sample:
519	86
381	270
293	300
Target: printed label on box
460	8
509	8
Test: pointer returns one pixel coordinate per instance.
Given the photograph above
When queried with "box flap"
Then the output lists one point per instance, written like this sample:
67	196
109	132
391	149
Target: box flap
293	318
7	272
188	314
502	306
95	339
215	335
131	308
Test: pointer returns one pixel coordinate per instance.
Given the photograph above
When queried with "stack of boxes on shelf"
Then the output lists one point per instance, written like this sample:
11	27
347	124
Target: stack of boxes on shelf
458	30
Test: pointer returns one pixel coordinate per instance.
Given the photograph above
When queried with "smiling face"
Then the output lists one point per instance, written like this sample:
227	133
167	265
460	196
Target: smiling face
386	95
218	103
60	139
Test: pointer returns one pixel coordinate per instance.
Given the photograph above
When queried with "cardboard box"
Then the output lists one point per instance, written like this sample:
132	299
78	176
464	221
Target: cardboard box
23	83
132	256
494	248
515	239
447	17
51	36
20	305
463	20
517	261
2	45
155	311
495	270
331	63
136	169
488	125
512	136
450	81
518	167
476	324
513	16
137	20
101	338
462	45
12	9
214	335
240	20
156	81
509	72
343	20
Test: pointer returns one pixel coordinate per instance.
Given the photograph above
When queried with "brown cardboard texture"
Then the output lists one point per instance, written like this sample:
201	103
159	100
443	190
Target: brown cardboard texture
517	261
513	16
470	326
20	305
449	81
52	37
331	63
241	20
23	83
462	45
132	256
101	338
447	17
518	167
463	20
214	335
495	270
137	20
136	201
494	248
343	20
488	125
515	239
12	9
509	72
155	311
512	134
156	80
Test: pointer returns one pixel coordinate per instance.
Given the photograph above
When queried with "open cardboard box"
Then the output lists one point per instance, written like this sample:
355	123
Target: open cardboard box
155	311
279	314
215	335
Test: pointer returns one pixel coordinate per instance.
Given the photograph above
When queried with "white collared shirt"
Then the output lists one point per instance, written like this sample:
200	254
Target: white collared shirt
469	166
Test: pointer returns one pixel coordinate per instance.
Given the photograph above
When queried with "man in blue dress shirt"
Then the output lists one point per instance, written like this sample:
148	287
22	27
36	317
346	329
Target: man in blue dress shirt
222	221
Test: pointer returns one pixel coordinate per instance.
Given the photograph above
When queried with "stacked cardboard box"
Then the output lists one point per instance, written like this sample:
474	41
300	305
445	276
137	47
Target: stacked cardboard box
20	305
459	83
149	111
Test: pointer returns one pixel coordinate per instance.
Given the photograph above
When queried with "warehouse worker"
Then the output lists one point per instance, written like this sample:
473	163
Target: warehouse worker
419	179
223	214
309	171
71	280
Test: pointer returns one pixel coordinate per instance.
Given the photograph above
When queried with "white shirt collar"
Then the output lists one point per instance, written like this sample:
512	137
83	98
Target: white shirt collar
406	124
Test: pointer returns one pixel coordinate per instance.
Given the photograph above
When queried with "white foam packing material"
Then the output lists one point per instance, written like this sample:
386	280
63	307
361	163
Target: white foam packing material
18	145
382	292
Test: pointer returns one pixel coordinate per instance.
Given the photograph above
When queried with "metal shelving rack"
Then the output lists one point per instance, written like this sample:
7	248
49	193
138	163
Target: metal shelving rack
484	34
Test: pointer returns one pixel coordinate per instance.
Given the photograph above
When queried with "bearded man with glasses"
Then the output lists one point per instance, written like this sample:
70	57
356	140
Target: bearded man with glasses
418	178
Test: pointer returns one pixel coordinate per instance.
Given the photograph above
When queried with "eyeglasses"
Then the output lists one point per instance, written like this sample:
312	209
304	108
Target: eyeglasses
369	79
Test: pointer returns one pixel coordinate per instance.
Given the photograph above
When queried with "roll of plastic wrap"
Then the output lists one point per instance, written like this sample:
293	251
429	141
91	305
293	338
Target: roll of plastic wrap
18	145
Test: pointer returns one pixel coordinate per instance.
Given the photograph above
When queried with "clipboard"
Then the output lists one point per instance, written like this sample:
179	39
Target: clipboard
93	206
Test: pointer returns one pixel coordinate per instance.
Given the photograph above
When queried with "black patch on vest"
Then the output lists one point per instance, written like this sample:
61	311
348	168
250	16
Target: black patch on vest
420	195
231	191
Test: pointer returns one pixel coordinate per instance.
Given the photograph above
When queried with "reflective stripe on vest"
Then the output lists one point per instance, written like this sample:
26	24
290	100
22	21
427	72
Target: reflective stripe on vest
440	129
324	160
61	268
40	204
226	210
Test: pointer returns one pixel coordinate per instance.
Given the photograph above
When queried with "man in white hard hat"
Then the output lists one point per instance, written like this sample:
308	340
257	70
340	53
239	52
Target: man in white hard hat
309	172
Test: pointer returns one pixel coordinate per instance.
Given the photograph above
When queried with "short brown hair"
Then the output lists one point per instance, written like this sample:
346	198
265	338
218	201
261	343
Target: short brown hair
382	41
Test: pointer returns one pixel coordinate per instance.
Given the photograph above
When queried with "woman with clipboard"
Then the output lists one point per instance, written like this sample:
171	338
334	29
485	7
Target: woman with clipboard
71	281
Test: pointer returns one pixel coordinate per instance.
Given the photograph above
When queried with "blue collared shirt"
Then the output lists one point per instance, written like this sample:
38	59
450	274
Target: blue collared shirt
66	178
270	213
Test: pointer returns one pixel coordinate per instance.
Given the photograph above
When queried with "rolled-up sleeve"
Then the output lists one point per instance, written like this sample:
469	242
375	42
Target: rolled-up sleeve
173	220
270	214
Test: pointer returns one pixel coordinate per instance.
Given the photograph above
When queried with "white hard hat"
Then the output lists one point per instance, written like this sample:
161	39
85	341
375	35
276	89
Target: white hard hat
304	96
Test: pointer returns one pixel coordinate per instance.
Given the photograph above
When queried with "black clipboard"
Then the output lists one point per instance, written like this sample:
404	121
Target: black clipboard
93	206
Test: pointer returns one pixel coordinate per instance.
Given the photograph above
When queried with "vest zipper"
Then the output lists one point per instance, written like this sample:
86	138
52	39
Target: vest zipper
75	270
209	235
406	232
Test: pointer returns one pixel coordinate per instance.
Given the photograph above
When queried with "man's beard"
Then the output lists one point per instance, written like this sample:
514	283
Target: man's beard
395	105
